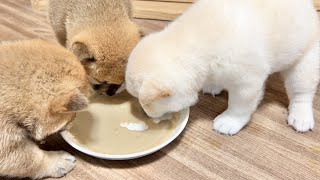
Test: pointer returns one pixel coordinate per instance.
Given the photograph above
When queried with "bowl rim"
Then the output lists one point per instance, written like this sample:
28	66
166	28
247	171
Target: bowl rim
184	118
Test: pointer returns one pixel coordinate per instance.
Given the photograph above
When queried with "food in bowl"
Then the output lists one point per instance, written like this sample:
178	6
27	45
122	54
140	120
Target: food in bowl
118	126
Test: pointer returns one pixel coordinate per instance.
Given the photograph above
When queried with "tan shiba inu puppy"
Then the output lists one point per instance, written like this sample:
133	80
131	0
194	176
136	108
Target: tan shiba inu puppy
41	87
101	33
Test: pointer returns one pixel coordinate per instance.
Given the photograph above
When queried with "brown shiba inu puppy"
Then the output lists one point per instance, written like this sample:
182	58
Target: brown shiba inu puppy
41	87
101	33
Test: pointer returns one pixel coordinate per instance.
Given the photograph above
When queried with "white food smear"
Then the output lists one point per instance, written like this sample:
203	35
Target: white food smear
135	126
156	121
141	126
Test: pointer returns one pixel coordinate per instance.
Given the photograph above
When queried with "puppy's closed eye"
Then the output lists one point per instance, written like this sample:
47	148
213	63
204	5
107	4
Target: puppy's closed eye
142	34
89	60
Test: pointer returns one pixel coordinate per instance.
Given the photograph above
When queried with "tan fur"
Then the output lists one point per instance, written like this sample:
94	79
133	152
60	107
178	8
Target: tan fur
100	32
155	93
41	87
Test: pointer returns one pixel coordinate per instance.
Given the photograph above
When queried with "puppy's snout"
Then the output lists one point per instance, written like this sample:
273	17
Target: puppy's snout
96	87
106	89
112	89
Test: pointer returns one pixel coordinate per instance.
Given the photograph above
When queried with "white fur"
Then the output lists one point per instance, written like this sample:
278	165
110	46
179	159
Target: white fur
231	45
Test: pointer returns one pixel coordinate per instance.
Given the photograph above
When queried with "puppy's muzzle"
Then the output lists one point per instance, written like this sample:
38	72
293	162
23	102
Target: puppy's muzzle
108	89
112	90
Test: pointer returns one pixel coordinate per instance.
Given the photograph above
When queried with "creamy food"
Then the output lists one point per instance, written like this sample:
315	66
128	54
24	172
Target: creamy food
117	125
135	126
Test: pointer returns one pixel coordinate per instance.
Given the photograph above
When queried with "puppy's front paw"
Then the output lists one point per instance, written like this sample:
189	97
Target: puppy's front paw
61	163
301	117
228	125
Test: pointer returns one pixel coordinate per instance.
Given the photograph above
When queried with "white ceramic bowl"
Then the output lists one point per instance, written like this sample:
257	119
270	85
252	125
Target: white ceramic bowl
181	125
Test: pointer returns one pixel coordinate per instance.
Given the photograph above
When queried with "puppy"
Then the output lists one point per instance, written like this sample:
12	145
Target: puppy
230	45
101	33
42	86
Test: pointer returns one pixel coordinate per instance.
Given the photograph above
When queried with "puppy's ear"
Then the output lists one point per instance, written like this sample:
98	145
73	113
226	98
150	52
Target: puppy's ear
152	91
72	102
81	50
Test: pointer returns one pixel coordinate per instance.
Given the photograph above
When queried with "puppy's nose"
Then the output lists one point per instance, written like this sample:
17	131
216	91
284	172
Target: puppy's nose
96	87
112	90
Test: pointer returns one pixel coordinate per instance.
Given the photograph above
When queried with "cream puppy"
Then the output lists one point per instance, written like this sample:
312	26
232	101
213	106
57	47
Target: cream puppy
230	45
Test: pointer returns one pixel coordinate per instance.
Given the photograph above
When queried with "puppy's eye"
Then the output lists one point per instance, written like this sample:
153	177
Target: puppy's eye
89	60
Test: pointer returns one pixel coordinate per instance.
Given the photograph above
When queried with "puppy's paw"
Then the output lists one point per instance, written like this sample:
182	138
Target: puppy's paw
228	125
301	117
214	90
61	163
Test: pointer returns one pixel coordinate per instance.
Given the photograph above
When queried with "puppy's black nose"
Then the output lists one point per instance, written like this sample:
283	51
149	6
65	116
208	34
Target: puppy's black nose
96	87
112	90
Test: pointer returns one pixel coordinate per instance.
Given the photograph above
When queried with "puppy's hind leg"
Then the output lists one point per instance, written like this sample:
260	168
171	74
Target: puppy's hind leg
301	82
26	159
